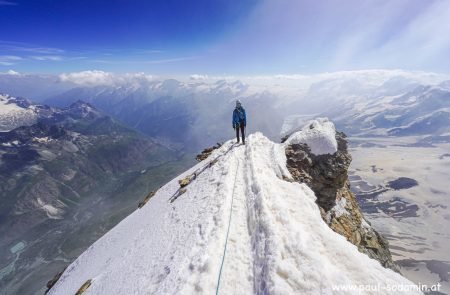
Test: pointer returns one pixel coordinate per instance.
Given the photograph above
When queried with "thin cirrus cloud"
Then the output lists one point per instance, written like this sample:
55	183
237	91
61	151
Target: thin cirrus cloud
23	53
171	60
8	60
47	57
140	60
43	53
294	36
420	41
28	48
425	38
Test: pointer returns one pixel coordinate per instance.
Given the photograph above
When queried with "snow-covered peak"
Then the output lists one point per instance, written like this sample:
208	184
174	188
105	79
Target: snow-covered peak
235	225
318	134
15	112
81	109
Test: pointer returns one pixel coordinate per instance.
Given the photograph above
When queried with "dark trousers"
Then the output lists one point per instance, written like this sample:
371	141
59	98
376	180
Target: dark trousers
242	127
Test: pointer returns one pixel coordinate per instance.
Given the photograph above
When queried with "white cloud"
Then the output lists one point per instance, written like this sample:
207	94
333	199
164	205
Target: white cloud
285	85
95	77
198	77
13	73
88	78
290	77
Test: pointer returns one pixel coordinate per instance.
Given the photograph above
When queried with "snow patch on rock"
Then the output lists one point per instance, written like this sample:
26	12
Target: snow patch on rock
294	123
318	134
51	211
338	210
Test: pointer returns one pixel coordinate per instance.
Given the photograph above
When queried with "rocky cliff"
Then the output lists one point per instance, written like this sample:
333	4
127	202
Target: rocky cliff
327	176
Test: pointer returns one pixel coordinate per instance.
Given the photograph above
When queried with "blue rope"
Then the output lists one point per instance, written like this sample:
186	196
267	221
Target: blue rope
228	231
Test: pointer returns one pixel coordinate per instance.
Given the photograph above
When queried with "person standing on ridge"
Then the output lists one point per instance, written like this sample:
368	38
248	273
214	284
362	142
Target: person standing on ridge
239	121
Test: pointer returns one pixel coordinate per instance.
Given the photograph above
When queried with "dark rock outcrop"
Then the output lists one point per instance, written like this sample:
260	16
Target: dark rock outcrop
146	199
207	152
53	281
185	181
327	176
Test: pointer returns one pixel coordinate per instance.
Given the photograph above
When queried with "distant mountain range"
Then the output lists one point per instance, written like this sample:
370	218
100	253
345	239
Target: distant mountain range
128	136
198	118
196	113
184	116
420	110
397	107
66	176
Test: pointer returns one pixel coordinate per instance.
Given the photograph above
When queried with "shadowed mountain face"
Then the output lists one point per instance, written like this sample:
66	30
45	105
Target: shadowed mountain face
64	181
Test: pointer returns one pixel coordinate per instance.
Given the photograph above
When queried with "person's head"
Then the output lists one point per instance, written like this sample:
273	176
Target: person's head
238	103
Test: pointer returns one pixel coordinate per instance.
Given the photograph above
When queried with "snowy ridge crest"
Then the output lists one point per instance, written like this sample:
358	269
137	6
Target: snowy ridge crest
318	134
277	243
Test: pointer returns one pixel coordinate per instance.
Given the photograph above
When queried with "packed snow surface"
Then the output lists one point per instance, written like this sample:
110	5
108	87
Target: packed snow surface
277	241
294	123
319	135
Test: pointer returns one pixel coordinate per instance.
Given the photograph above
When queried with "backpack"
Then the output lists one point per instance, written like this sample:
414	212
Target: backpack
240	114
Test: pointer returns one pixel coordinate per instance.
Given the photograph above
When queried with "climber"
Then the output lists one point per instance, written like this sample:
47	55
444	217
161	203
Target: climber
239	121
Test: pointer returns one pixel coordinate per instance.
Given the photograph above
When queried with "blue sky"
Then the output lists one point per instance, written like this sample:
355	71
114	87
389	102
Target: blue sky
245	37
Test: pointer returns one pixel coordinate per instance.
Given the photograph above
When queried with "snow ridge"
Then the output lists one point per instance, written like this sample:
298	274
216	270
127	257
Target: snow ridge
277	242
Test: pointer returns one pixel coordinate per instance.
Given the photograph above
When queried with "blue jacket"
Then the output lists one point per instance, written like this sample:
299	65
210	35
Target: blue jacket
239	117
